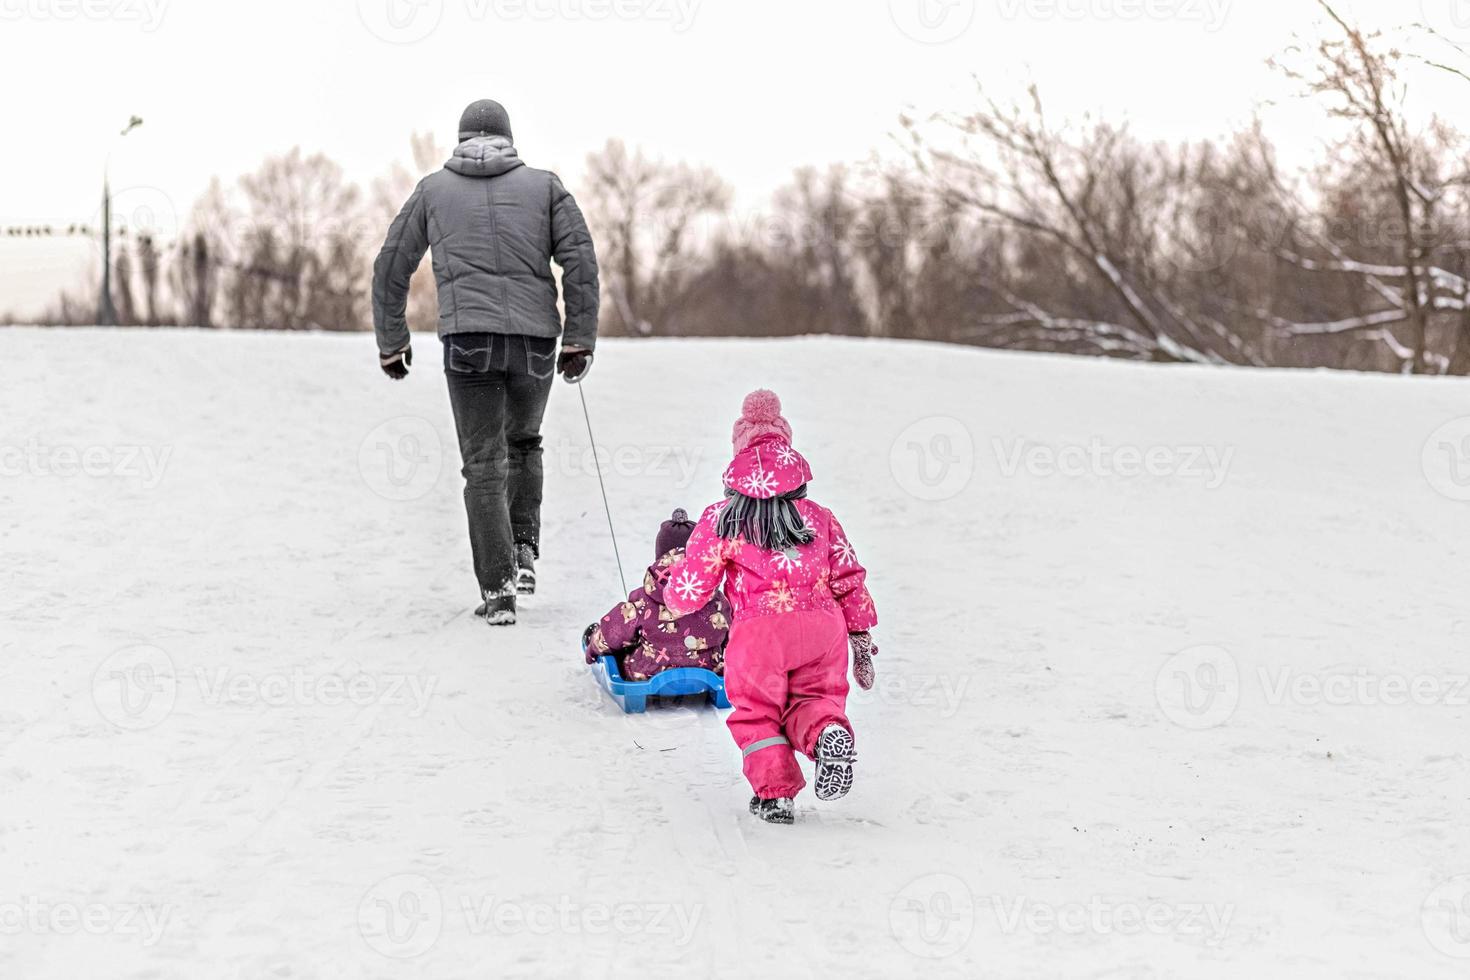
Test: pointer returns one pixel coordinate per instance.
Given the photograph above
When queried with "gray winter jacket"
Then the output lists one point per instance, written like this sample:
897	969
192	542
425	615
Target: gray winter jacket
494	225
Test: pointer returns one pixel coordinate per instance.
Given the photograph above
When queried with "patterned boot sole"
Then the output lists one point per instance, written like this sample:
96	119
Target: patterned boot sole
836	752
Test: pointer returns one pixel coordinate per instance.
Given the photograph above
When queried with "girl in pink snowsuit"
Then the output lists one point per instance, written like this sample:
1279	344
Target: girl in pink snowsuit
799	600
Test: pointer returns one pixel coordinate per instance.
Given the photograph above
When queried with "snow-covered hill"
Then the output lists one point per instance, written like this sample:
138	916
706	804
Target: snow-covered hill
1173	677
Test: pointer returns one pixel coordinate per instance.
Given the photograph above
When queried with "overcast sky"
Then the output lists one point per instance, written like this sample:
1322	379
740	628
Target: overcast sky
754	88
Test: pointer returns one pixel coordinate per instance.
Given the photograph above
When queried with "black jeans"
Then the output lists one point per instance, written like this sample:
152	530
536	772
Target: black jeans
498	386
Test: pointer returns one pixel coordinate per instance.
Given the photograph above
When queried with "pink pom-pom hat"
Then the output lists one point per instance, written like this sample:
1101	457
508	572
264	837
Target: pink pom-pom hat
760	415
765	464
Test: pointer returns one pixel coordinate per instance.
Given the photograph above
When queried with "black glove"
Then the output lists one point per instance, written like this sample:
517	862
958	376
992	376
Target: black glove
587	650
574	363
395	365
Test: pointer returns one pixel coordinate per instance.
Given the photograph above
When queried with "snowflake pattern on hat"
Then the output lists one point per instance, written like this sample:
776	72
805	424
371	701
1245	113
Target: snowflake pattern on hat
767	468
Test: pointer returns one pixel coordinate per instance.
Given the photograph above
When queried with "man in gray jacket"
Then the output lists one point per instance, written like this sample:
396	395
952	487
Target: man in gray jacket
494	225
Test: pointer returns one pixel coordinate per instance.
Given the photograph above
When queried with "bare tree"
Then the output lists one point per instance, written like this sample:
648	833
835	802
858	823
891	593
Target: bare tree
1362	80
1090	205
122	285
292	250
645	215
196	281
148	267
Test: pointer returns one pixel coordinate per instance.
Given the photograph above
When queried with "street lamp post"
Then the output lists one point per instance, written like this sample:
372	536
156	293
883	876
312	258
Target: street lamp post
106	313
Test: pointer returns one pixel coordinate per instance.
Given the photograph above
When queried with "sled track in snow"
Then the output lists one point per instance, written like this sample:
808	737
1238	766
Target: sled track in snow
711	816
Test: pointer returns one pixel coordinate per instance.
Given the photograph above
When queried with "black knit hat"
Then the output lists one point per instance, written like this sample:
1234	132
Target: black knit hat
673	533
484	118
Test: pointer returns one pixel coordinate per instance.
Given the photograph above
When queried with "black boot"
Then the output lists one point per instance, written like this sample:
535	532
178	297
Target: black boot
498	610
836	752
525	569
782	811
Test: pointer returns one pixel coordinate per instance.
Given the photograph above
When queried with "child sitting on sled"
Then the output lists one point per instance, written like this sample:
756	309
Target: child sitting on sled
800	601
645	635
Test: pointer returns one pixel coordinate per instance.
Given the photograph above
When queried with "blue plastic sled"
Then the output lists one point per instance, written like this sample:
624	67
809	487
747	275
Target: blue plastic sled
632	696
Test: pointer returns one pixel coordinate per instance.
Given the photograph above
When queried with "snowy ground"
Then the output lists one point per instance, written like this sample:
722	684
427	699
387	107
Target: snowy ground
1206	721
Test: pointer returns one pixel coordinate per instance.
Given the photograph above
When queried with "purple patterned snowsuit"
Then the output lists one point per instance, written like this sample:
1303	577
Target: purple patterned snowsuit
653	638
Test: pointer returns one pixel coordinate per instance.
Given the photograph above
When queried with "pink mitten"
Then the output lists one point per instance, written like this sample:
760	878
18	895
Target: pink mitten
863	651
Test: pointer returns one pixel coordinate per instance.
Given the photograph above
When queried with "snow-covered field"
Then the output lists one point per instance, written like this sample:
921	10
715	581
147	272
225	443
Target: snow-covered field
1173	677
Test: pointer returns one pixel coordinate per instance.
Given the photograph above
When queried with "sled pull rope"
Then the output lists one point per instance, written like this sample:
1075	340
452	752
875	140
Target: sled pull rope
597	459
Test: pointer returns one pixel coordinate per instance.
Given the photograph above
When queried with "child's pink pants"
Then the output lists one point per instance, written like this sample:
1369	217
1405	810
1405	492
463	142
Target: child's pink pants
786	676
